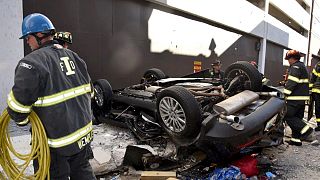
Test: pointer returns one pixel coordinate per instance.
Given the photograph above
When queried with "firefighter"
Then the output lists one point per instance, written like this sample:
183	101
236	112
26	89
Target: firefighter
315	89
54	82
216	71
297	92
265	81
64	38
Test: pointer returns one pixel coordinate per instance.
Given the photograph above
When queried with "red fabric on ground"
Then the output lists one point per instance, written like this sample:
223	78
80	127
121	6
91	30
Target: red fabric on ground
247	165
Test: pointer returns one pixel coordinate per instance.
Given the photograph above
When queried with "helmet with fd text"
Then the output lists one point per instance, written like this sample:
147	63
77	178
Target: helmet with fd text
35	23
293	54
63	37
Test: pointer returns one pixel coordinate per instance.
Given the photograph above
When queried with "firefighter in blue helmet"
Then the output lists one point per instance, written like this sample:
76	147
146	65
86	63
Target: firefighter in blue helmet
54	82
297	92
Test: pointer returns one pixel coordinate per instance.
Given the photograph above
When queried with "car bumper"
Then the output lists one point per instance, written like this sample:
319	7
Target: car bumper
214	131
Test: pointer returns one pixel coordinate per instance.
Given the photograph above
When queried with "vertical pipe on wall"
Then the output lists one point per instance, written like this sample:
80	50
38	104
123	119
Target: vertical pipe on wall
309	35
262	54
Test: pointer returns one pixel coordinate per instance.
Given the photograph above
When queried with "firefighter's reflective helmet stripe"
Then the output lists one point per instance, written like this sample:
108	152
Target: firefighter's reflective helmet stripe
297	80
286	91
317	119
315	73
295	140
299	98
16	106
62	96
24	122
305	129
315	90
71	138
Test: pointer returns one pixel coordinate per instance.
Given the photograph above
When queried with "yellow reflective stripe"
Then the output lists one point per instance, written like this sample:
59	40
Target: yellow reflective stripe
315	73
264	79
317	119
62	96
297	80
311	85
315	90
298	98
16	106
304	129
295	140
286	91
24	122
71	138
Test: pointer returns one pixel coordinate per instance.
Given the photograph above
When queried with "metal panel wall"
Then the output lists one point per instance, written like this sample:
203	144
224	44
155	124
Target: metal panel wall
113	37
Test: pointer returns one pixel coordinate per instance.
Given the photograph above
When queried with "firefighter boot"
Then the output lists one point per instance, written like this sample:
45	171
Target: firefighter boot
308	135
295	142
318	127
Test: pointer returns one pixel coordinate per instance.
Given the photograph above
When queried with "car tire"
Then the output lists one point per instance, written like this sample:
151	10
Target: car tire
153	74
101	102
252	77
177	106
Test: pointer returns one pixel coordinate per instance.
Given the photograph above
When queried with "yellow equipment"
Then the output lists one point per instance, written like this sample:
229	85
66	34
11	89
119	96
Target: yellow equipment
39	150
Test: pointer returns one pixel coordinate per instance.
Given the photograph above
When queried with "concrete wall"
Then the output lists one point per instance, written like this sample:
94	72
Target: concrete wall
315	36
11	47
244	16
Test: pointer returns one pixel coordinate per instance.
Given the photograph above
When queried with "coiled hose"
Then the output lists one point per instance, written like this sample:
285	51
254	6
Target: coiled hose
39	150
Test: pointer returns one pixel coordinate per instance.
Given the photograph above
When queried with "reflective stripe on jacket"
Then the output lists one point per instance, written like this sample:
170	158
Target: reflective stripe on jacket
297	86
315	79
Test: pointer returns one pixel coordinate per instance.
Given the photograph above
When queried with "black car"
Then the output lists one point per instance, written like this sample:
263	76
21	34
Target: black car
231	113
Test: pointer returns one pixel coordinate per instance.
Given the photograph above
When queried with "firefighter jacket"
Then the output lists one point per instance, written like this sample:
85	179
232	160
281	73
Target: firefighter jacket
54	83
217	75
315	79
297	86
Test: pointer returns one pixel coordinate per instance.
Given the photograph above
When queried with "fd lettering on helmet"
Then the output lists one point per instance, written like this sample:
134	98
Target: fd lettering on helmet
67	65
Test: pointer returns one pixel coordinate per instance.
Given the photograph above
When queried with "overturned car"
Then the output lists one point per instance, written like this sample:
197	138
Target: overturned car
194	110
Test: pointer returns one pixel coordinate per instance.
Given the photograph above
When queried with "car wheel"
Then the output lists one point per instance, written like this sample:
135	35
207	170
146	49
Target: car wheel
101	103
249	76
152	75
179	114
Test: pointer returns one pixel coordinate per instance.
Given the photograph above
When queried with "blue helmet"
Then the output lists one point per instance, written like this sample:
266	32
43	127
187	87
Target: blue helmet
34	23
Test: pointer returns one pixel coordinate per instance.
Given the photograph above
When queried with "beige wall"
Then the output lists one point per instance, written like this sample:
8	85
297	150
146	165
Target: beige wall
11	48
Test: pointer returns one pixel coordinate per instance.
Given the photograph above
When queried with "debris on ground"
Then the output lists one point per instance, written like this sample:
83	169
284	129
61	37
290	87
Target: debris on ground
111	144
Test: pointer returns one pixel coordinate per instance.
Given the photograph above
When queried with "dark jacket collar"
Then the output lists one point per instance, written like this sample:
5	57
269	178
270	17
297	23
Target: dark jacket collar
48	43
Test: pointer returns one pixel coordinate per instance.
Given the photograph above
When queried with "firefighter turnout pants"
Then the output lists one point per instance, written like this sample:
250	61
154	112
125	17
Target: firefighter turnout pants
70	167
294	118
316	98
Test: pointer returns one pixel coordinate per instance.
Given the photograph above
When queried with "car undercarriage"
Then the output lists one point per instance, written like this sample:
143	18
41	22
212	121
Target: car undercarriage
195	110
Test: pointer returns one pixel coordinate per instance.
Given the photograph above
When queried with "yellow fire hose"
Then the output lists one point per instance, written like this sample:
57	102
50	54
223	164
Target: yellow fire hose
39	150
